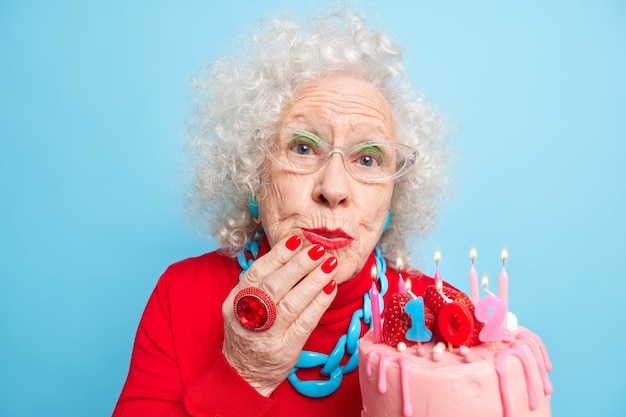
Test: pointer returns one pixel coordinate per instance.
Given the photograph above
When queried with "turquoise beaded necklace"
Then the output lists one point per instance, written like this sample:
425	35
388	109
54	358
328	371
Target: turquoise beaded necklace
348	343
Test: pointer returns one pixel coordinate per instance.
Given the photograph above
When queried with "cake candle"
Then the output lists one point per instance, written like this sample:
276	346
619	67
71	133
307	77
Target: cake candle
491	311
503	286
455	323
485	285
401	282
418	332
473	276
375	307
438	280
439	287
408	288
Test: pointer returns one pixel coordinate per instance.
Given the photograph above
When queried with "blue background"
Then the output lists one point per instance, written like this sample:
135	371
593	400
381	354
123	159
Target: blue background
93	105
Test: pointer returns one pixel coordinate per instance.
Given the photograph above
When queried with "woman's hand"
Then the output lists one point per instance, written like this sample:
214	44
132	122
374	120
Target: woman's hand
299	279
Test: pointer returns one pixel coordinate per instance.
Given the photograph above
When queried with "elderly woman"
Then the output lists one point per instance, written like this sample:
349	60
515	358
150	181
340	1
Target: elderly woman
315	161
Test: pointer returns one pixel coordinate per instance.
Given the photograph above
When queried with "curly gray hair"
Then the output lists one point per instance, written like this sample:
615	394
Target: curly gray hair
241	92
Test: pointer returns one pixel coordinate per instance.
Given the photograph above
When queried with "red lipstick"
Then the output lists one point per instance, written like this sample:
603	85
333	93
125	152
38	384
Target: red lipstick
330	239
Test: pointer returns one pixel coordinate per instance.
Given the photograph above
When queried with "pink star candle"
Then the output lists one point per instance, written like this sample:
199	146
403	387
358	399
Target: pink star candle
375	307
473	276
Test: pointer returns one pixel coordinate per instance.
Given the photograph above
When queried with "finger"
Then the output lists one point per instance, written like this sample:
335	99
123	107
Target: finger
278	274
306	292
308	319
282	281
278	256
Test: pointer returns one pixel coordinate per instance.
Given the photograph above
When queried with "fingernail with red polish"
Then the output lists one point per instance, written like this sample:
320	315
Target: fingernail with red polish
329	265
293	243
330	287
316	252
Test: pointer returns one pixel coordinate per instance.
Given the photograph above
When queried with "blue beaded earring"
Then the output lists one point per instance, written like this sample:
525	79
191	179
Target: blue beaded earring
253	207
387	222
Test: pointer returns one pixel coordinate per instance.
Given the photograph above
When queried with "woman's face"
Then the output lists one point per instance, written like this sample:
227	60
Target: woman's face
330	207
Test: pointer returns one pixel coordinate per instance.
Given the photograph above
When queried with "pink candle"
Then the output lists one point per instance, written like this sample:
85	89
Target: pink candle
438	280
503	287
475	292
401	283
490	310
375	309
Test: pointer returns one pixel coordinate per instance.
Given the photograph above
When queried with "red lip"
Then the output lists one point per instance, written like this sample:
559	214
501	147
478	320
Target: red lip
330	239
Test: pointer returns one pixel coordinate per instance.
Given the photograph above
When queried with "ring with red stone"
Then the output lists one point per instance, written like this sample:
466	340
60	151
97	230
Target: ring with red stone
254	309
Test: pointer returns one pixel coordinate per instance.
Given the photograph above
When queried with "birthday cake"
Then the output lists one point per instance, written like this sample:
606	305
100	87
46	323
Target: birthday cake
432	356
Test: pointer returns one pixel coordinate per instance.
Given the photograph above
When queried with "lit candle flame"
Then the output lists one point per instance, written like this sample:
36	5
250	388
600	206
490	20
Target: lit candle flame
504	255
374	273
408	285
485	282
473	254
399	263
437	257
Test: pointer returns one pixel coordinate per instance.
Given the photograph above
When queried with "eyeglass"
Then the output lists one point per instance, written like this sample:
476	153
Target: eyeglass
304	152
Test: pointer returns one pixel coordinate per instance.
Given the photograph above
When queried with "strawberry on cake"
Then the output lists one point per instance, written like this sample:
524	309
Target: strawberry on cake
454	373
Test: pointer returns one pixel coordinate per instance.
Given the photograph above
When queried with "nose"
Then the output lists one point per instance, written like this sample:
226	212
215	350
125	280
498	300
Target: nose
333	183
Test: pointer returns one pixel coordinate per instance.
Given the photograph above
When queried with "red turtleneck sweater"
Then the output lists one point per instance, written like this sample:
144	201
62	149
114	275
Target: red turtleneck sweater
177	366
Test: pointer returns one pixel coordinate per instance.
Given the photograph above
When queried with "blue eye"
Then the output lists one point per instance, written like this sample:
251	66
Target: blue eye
302	149
367	161
370	156
303	145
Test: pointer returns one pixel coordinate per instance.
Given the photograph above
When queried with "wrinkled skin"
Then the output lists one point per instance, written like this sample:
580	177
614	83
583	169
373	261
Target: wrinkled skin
344	110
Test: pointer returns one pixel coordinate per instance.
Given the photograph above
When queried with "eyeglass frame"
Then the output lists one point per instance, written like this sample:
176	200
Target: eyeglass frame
262	138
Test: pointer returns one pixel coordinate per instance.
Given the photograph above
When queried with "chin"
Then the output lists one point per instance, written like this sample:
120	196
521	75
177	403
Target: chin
349	271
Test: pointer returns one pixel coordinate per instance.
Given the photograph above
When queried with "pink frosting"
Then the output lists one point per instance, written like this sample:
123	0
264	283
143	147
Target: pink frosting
495	383
405	365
